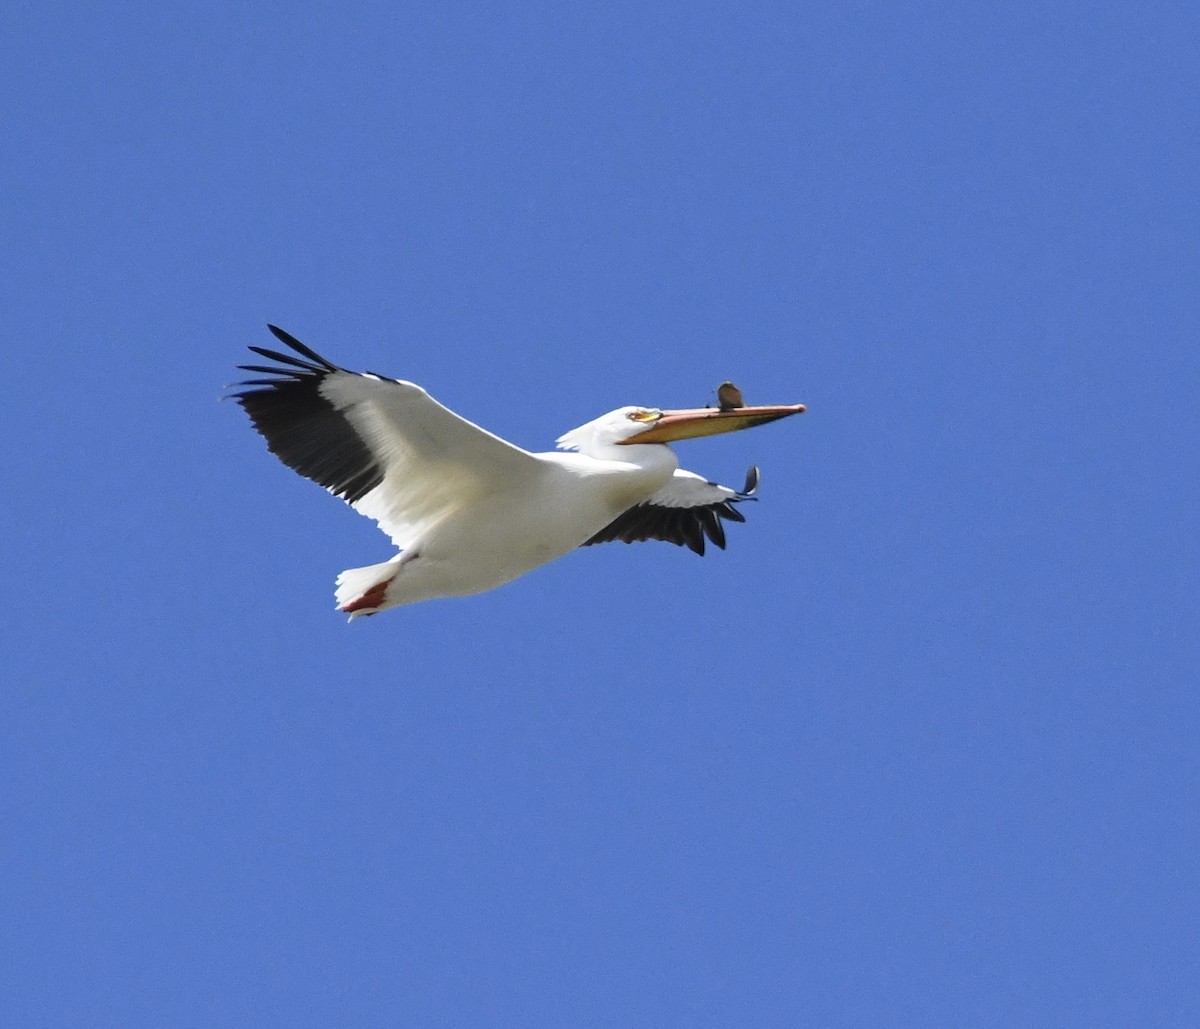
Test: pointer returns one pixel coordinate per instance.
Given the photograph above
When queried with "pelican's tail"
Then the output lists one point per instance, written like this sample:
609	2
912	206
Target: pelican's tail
363	591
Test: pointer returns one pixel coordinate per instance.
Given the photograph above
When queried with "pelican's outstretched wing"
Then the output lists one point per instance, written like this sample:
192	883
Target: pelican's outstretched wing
683	512
384	446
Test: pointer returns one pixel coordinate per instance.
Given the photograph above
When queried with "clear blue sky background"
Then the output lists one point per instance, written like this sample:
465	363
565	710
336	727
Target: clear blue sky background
919	748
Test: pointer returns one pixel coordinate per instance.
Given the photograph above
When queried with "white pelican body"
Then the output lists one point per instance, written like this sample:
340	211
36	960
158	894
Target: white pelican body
468	510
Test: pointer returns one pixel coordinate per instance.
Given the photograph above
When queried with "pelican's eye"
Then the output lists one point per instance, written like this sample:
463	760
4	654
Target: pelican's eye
643	414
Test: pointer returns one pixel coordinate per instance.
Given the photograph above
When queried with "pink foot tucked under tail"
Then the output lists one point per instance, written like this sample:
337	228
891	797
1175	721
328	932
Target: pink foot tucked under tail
374	597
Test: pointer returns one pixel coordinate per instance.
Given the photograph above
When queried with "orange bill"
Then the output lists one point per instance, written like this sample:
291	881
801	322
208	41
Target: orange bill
709	421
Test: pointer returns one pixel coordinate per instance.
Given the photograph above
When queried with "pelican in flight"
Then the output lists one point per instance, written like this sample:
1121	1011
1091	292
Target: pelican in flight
467	510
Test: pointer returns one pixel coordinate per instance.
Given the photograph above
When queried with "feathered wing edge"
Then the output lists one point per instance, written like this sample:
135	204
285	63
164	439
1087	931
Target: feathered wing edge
679	522
301	427
383	445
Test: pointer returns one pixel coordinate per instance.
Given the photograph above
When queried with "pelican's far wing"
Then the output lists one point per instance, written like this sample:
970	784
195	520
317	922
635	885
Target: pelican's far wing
685	511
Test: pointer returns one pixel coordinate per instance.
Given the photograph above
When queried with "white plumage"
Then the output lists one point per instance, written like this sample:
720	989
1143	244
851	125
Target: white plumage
467	510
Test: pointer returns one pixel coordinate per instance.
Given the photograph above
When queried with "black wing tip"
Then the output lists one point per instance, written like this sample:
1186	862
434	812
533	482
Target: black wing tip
299	424
290	372
726	510
288	359
289	340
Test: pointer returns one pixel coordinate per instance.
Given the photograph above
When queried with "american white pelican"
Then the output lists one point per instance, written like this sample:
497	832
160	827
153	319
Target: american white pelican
467	510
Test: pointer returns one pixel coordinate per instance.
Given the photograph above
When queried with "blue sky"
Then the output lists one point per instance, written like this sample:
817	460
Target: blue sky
919	748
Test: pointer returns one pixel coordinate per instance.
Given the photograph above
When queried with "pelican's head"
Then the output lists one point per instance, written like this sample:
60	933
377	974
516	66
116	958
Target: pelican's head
609	429
639	425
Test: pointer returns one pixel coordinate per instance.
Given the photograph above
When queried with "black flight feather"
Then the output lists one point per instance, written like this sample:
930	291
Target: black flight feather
683	526
301	427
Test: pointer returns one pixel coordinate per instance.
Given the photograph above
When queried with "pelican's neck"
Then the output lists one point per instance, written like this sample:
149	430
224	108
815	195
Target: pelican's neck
653	457
646	467
618	477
